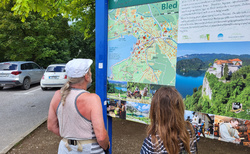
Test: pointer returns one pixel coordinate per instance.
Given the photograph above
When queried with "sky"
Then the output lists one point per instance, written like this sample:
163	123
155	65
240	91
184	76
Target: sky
141	107
188	113
236	48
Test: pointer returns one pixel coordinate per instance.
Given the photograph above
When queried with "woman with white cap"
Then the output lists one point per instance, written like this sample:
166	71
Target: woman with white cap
76	115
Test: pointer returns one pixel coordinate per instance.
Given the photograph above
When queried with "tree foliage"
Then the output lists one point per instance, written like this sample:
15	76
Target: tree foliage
43	41
79	45
116	87
82	10
190	64
226	71
36	39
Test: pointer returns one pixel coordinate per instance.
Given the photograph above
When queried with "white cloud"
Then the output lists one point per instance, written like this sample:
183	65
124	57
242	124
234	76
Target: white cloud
134	104
128	102
146	107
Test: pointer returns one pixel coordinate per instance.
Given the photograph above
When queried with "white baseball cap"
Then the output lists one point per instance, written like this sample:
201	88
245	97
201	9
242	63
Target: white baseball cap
77	68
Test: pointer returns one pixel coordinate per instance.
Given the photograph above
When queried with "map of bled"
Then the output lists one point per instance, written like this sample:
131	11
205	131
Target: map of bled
142	43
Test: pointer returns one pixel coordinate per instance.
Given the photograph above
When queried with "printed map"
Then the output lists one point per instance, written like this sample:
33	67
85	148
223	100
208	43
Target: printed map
142	43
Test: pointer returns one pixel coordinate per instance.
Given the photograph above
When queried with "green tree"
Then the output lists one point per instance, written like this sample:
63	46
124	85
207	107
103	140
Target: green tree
190	64
77	10
36	39
194	89
110	87
79	45
248	80
226	71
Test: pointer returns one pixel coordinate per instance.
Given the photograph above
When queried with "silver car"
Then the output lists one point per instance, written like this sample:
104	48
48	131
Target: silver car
20	73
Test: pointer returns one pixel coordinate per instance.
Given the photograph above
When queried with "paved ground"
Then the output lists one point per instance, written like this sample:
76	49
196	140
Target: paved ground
127	139
21	111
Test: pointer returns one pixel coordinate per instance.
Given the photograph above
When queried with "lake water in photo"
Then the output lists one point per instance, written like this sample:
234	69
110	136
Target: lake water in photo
186	84
121	88
135	115
119	50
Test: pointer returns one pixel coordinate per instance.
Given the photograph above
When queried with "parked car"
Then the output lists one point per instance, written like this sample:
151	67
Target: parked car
54	76
20	73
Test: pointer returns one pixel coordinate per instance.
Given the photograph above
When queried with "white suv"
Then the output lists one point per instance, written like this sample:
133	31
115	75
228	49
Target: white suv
20	73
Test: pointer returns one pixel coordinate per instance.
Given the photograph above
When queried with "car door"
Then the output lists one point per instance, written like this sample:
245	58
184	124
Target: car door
29	71
37	72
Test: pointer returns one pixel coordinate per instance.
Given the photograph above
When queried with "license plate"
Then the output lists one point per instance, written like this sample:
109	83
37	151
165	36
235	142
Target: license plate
4	75
54	77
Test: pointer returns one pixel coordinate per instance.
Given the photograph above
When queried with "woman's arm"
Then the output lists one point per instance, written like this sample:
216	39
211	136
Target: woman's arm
52	122
97	121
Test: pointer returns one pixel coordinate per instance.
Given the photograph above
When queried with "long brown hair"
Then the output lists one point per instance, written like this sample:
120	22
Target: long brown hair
167	120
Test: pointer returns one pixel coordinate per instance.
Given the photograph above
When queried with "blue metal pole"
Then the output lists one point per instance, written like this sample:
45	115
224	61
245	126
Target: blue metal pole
101	42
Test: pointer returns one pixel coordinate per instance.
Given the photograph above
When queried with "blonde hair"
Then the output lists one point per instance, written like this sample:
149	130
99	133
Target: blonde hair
167	120
67	87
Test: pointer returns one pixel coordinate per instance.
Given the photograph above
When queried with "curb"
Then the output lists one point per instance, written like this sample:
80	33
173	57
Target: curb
11	145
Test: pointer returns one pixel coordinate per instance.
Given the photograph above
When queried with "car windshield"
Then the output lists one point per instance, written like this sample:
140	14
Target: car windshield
56	69
8	66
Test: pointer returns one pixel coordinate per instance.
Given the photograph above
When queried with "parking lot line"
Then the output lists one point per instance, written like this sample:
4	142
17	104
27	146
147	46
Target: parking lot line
32	91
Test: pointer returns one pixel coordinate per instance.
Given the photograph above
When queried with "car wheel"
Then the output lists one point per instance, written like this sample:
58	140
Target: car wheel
1	88
26	84
44	88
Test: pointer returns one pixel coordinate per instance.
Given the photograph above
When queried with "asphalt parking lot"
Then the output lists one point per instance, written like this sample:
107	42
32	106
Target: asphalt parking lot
21	111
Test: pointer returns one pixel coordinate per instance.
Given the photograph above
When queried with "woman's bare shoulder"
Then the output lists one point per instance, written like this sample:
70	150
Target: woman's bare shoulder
58	93
90	97
56	99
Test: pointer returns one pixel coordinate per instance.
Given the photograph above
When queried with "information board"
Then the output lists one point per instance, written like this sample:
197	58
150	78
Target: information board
201	47
213	65
142	47
214	21
142	43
